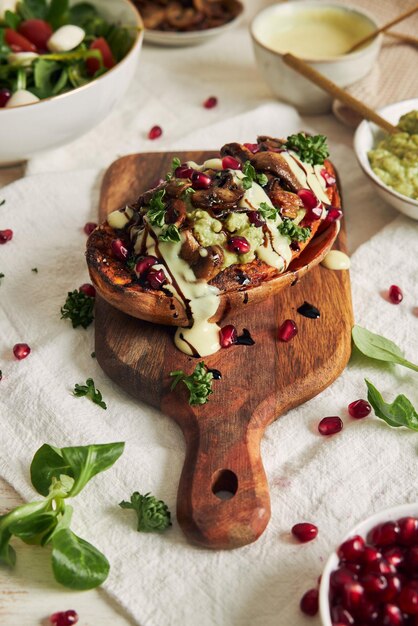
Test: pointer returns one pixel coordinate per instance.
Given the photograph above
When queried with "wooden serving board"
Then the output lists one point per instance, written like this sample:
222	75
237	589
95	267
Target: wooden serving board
258	383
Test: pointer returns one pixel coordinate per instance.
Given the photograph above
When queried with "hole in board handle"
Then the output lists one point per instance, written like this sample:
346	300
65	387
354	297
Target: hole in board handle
224	484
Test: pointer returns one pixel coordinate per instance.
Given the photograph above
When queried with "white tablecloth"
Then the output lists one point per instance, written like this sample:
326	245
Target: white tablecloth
162	580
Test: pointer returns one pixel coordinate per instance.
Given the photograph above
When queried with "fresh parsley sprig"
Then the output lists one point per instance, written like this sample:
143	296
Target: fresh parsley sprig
170	233
199	383
156	210
251	176
78	308
89	390
288	228
399	413
267	211
153	515
58	474
311	149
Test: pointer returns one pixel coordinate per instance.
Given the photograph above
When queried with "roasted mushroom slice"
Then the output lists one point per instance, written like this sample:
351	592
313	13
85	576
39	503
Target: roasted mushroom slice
276	164
236	150
209	263
287	202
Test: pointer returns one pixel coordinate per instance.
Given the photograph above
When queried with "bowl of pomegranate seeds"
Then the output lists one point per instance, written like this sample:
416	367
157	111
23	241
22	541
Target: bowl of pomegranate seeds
372	577
391	161
62	70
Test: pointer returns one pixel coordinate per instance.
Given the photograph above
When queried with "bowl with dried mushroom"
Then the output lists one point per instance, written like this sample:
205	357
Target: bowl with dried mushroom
187	22
211	237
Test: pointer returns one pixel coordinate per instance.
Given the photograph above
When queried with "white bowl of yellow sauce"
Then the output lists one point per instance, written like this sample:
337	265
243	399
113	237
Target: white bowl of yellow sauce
320	33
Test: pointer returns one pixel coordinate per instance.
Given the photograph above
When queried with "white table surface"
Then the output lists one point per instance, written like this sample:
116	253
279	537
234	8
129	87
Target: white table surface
28	594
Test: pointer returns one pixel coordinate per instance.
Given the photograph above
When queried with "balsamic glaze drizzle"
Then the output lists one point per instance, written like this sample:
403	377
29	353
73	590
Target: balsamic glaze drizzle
245	339
309	310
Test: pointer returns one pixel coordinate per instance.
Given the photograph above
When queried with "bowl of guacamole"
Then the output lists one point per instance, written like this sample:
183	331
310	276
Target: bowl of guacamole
391	160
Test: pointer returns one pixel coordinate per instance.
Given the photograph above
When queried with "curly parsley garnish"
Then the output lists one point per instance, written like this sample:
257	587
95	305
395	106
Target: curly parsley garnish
89	390
293	231
251	176
156	210
175	163
153	515
199	383
170	233
34	270
78	308
267	211
312	150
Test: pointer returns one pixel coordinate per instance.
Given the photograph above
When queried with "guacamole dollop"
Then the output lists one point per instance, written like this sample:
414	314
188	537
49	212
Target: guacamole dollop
395	159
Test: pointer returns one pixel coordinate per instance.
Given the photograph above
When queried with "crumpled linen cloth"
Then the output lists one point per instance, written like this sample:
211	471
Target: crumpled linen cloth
333	482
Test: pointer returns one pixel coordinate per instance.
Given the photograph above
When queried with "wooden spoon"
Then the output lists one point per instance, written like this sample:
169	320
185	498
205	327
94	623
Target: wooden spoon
401	37
337	92
382	29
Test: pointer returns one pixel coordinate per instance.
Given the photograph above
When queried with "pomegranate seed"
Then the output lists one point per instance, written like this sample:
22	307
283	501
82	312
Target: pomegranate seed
408	531
384	534
352	596
408	600
305	531
394	585
239	245
227	336
359	409
200	180
353	567
287	330
333	215
341	577
155	132
255	218
119	249
374	584
309	602
395	294
394	556
156	278
312	215
64	618
309	199
392	615
371	555
379	567
143	265
21	351
330	425
229	163
329	178
252	147
5	95
88	290
6	235
368	611
412	560
341	617
183	171
211	102
89	227
353	548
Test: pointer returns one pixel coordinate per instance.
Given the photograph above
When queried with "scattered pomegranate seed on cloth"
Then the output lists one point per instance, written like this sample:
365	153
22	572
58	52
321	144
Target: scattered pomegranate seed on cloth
155	132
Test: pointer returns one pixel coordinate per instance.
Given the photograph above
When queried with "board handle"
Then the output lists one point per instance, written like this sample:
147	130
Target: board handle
223	498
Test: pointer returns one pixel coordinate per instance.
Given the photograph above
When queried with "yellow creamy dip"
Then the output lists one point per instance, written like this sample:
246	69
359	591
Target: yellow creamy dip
317	32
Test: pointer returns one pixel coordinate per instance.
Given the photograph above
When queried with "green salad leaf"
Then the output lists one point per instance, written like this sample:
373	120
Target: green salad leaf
57	474
378	347
399	413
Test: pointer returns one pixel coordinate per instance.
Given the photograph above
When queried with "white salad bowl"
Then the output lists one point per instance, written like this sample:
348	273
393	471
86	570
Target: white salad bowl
54	121
362	529
285	82
366	137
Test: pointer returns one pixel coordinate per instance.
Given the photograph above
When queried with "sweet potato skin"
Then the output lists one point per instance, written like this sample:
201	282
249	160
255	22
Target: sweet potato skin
256	280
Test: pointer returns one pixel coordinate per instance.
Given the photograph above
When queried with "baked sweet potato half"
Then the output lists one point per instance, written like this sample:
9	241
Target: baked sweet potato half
215	235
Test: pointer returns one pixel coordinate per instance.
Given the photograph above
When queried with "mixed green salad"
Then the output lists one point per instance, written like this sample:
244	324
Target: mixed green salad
48	48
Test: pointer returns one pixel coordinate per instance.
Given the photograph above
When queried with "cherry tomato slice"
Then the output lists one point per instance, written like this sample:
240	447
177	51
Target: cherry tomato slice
17	42
108	60
36	31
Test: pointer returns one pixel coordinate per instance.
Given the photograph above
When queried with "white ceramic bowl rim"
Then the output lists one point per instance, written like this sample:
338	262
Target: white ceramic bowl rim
140	31
314	3
192	33
364	159
362	528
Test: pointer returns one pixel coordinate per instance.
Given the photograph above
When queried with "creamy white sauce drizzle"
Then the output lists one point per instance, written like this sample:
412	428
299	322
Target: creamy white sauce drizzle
336	260
119	219
307	175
